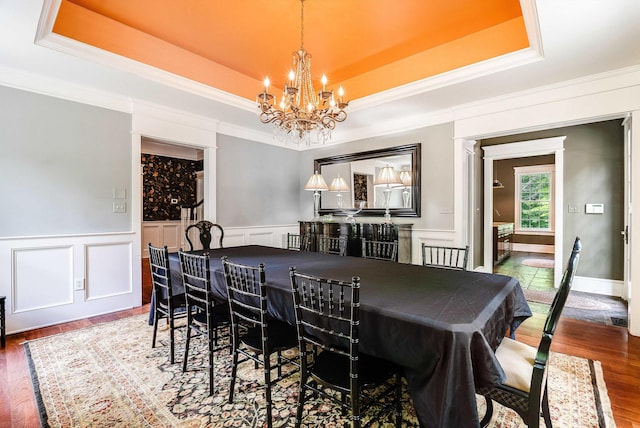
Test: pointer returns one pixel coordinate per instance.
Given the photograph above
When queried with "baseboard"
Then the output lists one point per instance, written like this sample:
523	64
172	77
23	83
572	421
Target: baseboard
607	287
533	248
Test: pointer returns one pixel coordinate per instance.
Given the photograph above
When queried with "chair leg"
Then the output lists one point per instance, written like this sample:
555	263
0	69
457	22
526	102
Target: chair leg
301	395
234	371
545	409
186	345
267	384
398	400
488	413
155	329
355	409
172	341
211	344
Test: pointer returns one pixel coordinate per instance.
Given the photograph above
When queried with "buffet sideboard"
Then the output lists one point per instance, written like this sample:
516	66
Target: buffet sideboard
354	232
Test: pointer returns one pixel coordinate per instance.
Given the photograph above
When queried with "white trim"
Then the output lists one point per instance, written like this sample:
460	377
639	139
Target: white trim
607	287
533	248
554	145
534	169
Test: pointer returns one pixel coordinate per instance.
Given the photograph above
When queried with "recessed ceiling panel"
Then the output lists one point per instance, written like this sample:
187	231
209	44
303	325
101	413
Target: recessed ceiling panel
373	45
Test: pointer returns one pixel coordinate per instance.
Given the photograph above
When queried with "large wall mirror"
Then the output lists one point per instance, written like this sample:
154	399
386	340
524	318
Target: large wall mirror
363	180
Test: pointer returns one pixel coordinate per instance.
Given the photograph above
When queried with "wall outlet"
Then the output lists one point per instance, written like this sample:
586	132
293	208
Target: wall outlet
79	284
120	207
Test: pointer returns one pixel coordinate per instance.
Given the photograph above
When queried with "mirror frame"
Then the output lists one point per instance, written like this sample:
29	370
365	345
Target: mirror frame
410	149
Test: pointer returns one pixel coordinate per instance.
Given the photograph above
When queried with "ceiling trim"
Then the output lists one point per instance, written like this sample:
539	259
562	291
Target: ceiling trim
44	85
532	24
463	74
46	38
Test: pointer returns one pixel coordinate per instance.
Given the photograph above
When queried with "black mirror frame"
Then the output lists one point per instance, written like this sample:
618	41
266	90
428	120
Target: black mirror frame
410	149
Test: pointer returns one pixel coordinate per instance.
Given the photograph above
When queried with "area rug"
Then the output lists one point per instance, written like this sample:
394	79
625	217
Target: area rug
573	301
539	263
109	376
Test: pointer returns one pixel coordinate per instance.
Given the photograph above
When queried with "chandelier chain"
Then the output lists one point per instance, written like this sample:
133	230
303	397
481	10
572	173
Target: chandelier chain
302	24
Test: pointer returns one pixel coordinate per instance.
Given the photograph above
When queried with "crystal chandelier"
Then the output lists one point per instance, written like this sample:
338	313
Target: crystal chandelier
302	114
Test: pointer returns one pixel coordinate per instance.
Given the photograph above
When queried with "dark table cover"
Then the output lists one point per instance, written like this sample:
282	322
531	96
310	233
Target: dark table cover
442	326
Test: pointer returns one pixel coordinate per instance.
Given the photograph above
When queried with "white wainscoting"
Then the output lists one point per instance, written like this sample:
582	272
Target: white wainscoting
165	233
443	238
54	279
160	233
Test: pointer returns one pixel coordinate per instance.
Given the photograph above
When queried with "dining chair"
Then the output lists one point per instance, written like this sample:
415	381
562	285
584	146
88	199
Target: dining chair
331	245
445	257
261	333
166	304
379	250
209	316
293	241
328	321
525	367
204	227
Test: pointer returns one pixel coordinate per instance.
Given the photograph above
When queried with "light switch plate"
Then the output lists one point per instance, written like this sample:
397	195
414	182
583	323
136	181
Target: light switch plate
119	193
79	284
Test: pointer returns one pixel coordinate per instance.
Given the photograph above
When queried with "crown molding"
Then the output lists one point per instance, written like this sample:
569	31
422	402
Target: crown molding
44	85
463	74
46	38
587	85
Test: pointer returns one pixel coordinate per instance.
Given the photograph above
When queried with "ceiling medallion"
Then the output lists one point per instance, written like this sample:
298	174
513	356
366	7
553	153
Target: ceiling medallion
302	116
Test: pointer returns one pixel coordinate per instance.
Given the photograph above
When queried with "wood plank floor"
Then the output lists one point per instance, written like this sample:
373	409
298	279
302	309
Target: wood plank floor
618	352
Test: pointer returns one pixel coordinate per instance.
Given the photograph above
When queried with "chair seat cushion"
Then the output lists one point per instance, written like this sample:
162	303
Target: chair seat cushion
332	368
281	336
517	360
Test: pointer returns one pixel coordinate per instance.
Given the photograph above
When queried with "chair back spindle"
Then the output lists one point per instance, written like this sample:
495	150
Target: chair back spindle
445	257
380	250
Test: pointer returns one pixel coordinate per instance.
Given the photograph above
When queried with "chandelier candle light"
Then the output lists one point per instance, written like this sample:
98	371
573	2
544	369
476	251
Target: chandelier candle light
302	115
316	184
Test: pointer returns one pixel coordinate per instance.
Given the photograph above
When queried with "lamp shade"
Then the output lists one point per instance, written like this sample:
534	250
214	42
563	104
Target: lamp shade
388	177
316	183
405	177
338	185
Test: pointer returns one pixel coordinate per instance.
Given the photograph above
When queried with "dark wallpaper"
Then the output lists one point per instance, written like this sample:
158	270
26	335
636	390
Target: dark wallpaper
164	179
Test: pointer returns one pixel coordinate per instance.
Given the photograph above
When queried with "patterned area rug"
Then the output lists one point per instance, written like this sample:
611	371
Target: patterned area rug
539	263
109	376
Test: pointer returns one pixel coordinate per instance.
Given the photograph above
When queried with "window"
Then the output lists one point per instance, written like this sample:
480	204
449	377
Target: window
534	210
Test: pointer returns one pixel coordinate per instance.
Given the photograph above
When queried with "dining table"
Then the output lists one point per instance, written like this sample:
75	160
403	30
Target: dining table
442	326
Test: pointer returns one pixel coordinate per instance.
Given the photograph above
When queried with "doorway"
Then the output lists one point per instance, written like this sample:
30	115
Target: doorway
525	151
590	173
171	189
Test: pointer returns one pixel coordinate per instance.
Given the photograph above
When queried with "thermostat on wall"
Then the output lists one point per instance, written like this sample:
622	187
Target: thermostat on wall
594	208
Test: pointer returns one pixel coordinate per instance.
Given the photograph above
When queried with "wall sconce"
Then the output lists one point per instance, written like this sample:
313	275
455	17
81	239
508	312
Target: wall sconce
389	178
316	184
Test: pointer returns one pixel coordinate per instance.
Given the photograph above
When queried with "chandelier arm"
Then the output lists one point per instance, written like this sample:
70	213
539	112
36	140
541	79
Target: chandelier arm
303	115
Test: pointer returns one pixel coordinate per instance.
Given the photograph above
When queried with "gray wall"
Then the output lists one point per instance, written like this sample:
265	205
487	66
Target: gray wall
593	173
257	184
436	173
59	164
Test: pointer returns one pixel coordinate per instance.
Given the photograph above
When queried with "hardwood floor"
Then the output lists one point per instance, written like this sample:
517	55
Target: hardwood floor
618	352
